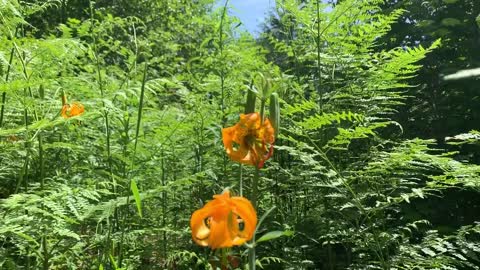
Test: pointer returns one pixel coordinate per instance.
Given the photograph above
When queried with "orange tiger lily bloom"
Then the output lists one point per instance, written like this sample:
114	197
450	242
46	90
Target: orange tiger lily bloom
224	222
71	110
250	141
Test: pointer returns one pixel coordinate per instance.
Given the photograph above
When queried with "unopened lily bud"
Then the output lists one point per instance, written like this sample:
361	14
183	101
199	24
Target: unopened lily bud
275	113
41	91
250	105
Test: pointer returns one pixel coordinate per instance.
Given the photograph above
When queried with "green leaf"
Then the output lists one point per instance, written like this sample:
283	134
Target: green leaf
26	237
136	195
274	235
428	252
113	262
450	22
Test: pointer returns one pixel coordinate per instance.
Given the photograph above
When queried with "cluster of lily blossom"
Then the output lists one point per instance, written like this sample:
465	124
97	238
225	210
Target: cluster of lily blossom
231	221
225	221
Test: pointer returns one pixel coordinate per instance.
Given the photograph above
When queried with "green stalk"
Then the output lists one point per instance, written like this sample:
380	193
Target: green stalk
222	83
222	71
251	252
241	180
223	259
102	93
107	122
262	109
164	207
2	109
256	177
46	256
4	94
26	77
140	107
24	175
319	70
137	132
28	259
40	149
22	178
41	160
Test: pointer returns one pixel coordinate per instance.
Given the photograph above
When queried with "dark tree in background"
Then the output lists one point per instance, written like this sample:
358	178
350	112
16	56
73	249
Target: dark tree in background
437	109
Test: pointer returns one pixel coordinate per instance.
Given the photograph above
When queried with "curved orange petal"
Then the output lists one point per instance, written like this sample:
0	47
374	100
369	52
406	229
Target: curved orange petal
267	132
229	137
200	231
76	109
71	110
244	209
224	215
219	237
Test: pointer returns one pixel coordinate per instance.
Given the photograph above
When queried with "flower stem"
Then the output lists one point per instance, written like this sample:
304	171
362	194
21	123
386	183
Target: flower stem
251	253
256	176
262	110
223	260
251	257
241	180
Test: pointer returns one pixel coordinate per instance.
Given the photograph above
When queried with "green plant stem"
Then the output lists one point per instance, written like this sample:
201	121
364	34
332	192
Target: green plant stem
102	93
262	109
4	94
22	58
2	109
140	107
223	259
24	174
319	70
46	256
41	160
222	83
106	247
251	256
164	206
256	177
251	253
7	76
107	121
241	180
137	132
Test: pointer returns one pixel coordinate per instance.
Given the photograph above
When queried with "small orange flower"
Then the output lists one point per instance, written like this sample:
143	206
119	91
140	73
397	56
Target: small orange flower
249	141
71	110
224	222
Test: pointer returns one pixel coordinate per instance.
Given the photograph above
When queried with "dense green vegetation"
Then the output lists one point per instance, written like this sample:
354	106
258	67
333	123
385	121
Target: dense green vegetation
375	164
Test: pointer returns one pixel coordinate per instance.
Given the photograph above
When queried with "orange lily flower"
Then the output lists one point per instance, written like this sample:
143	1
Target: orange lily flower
219	223
250	141
71	110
